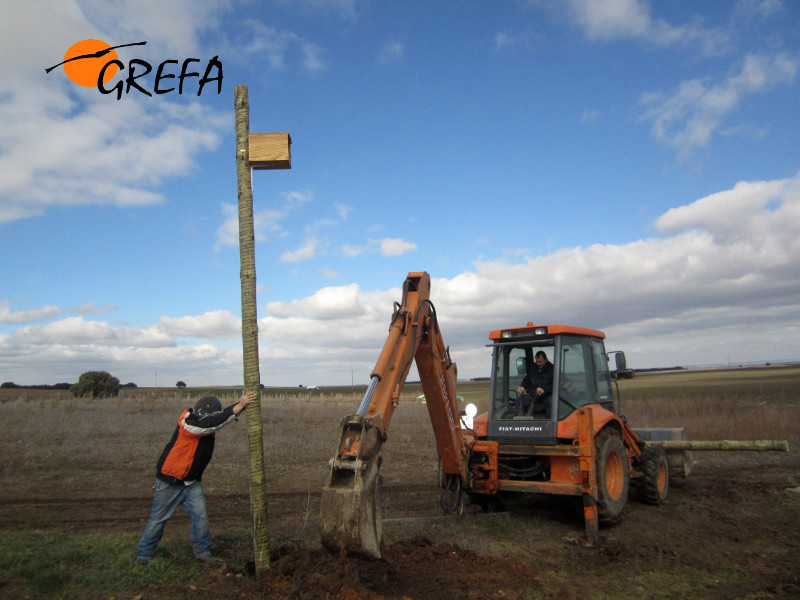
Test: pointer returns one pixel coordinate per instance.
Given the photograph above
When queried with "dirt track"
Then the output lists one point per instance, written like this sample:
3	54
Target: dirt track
729	531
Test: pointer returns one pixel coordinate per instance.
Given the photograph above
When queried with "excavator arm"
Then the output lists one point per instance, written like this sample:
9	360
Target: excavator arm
350	508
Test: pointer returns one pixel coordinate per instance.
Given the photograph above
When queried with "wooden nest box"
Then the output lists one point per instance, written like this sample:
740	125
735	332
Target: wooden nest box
270	151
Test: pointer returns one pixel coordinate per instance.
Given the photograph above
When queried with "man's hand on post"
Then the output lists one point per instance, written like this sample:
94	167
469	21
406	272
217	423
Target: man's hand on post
247	398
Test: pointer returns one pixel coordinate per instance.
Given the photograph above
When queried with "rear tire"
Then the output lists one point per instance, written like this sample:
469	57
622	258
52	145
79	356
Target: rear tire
613	476
653	486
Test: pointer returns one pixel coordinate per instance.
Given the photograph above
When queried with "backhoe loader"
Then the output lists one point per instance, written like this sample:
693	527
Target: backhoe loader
571	440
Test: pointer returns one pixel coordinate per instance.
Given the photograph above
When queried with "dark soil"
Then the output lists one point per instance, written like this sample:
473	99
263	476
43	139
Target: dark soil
728	531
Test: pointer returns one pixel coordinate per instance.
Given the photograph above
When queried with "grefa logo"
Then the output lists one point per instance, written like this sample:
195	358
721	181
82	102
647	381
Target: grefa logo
93	63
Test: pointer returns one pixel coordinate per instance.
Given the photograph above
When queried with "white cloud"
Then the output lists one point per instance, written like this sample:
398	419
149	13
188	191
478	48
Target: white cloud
173	26
688	117
26	316
144	366
62	144
346	9
759	9
719	283
632	19
391	52
504	40
215	324
327	303
44	313
305	252
277	48
228	232
343	210
589	116
92	308
385	247
761	204
396	246
76	331
99	155
608	20
721	277
267	223
352	251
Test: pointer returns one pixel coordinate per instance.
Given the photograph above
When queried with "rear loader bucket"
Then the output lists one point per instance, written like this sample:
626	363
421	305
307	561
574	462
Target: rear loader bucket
681	462
350	519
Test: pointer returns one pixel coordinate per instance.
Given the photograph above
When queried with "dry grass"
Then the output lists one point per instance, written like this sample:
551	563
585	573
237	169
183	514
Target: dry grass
743	404
81	442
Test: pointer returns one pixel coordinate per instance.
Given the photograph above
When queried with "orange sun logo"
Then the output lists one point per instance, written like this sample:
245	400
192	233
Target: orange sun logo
85	59
91	63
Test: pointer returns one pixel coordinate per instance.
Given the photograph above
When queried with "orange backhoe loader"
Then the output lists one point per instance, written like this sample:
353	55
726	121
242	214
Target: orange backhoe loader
569	440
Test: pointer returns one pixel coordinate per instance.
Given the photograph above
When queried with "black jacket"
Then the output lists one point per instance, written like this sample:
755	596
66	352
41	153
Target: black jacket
191	447
540	378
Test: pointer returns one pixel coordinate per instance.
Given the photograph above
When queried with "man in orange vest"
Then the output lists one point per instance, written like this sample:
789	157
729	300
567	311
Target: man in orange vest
179	471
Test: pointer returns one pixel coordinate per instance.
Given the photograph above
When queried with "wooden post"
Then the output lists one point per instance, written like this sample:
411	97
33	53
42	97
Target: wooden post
252	376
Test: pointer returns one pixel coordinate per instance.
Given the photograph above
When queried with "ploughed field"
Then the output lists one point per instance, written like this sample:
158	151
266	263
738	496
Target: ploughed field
75	492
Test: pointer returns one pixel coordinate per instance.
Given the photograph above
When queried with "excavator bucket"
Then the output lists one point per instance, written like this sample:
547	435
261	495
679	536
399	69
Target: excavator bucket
350	505
350	519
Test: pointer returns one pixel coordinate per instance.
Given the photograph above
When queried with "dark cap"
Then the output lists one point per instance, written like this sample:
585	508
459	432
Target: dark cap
207	405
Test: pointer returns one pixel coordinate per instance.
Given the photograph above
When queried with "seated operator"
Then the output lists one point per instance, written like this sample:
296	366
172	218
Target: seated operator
536	387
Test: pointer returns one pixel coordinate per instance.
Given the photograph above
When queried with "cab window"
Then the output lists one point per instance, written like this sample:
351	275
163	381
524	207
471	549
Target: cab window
605	396
577	385
511	364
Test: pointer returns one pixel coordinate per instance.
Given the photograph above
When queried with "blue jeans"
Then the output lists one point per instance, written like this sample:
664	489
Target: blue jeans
166	499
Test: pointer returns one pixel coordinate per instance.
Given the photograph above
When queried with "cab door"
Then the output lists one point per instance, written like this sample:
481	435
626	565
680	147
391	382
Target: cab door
605	394
510	363
585	377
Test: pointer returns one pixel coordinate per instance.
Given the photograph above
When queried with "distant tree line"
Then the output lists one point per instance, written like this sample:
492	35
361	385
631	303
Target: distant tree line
97	384
55	386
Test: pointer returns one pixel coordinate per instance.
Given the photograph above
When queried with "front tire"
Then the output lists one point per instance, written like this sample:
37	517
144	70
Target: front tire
653	486
613	476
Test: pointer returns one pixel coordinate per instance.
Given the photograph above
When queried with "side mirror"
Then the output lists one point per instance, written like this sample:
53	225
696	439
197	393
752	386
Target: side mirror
621	371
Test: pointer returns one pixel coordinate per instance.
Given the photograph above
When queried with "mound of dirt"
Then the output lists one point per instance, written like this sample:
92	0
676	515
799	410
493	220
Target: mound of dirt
413	569
410	569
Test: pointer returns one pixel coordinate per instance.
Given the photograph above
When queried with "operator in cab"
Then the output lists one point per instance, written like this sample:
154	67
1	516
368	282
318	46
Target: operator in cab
536	387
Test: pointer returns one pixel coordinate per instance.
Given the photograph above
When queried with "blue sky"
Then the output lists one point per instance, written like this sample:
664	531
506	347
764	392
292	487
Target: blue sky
624	165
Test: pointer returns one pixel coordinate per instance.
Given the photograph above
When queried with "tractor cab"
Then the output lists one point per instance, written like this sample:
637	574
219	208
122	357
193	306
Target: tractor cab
580	376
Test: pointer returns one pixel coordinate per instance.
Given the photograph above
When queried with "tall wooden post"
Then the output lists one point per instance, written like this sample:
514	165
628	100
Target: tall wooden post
246	158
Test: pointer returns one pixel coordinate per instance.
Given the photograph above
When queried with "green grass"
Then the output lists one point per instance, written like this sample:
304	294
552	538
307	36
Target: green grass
55	565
